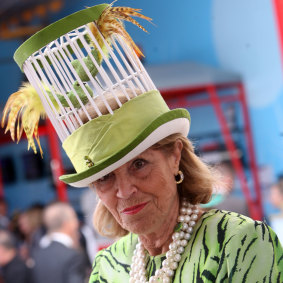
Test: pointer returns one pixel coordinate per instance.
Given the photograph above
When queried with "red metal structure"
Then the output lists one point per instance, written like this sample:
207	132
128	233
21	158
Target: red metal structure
278	12
180	87
56	162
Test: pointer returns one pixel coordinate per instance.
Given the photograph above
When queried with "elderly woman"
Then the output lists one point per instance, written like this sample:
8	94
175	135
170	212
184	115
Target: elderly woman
127	145
151	203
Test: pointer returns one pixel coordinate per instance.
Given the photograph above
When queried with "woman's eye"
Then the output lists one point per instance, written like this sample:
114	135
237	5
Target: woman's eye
104	178
139	163
104	183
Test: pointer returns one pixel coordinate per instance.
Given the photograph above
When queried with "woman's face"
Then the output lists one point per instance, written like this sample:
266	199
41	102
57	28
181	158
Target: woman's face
141	193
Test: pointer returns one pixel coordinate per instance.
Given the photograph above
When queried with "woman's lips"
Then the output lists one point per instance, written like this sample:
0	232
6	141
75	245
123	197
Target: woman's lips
134	209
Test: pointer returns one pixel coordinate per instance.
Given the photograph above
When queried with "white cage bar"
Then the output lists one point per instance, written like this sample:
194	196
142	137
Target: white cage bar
64	91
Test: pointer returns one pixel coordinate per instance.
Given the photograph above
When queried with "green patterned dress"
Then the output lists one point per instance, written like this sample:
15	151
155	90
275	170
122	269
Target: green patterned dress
224	247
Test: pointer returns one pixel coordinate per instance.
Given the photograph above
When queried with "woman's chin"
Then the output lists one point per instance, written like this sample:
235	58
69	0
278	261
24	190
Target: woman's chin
138	230
143	225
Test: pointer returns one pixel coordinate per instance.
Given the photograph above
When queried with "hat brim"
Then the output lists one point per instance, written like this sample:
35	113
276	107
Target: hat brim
171	122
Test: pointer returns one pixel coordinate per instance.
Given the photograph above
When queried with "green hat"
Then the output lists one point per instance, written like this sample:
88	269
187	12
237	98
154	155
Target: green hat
78	66
109	141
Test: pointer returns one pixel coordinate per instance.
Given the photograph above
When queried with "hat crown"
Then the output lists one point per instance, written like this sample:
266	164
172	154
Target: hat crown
105	136
74	73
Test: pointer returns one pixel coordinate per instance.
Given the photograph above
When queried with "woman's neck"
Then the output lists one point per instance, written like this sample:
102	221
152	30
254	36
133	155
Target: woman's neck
158	241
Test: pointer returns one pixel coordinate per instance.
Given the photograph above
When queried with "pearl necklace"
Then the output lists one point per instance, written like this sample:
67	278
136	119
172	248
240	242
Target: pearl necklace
187	217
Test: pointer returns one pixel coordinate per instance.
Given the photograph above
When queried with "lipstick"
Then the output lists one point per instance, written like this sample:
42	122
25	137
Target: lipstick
134	209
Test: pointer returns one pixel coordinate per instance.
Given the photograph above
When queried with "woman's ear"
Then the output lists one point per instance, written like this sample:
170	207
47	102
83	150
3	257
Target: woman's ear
176	154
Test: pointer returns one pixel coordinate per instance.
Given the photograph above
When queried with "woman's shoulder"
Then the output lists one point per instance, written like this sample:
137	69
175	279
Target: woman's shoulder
120	250
231	225
114	260
121	247
241	243
223	216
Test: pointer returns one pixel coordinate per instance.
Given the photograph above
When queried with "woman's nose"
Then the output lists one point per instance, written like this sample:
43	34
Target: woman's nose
125	188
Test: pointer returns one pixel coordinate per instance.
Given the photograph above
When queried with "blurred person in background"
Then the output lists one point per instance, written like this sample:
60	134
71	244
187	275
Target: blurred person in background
59	258
31	227
224	197
87	241
13	268
4	220
94	241
231	201
14	226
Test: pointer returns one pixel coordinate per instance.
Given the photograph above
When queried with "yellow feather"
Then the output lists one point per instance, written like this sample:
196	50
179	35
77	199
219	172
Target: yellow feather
19	127
23	111
30	119
13	117
36	135
99	39
110	22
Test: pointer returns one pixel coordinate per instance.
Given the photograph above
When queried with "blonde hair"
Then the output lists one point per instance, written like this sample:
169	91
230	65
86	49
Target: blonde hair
199	180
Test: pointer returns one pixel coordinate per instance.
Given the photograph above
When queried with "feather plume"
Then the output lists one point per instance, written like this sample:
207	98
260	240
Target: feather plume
22	113
111	22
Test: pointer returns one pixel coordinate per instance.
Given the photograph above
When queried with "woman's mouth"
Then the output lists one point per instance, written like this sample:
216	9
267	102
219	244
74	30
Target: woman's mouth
134	209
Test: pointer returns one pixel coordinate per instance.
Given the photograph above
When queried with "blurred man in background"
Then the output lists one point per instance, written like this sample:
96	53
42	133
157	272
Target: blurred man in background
59	258
224	196
230	201
13	268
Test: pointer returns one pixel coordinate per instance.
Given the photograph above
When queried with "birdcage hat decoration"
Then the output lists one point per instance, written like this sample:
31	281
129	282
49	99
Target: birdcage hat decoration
85	75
